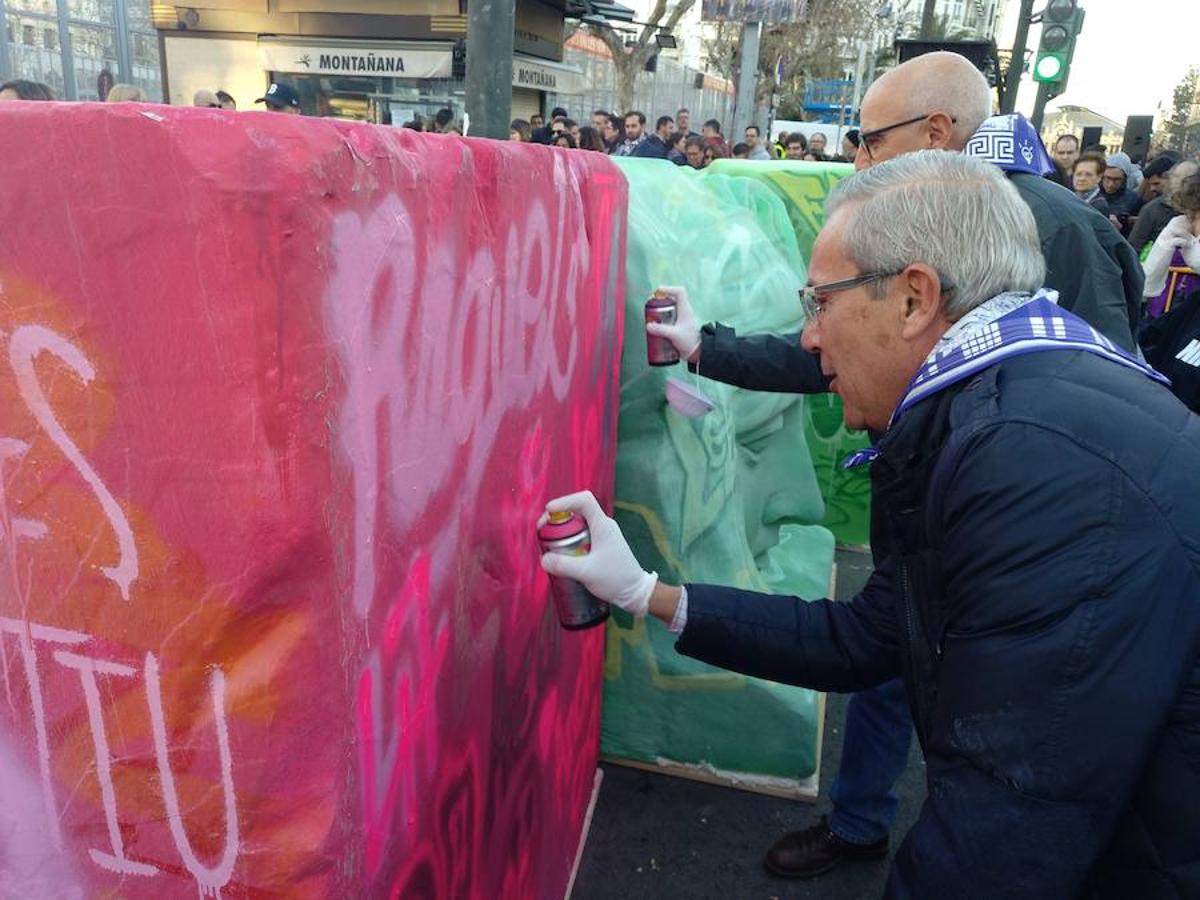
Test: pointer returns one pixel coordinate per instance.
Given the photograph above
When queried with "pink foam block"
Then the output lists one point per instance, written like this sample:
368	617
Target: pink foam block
281	400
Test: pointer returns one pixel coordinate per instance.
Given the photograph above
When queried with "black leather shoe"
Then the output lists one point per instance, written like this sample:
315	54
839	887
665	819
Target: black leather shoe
815	851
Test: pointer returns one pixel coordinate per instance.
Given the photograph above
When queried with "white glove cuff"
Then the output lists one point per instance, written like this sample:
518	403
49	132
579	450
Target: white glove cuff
636	601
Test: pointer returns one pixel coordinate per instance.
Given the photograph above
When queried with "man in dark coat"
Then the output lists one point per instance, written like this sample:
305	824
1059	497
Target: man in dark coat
1034	489
1097	276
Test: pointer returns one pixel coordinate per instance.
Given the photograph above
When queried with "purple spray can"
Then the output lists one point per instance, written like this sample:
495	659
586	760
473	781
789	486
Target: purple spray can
577	607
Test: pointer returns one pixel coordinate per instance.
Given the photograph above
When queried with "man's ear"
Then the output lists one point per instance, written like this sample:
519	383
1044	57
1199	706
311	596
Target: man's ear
922	307
941	131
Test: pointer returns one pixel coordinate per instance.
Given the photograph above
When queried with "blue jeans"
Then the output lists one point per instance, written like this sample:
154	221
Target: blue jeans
879	732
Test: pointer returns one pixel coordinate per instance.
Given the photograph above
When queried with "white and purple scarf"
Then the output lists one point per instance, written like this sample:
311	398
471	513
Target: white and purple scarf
1007	325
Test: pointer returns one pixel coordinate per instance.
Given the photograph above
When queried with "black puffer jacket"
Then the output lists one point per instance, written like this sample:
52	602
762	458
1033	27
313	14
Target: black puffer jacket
1041	597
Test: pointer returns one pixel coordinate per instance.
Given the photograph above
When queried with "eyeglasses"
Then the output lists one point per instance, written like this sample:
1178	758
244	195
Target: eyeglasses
869	139
815	297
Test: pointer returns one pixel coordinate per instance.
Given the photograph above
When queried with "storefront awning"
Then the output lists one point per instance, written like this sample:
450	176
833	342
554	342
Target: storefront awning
542	75
379	59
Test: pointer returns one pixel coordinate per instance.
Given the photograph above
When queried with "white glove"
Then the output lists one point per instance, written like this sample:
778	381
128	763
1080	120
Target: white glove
609	571
684	335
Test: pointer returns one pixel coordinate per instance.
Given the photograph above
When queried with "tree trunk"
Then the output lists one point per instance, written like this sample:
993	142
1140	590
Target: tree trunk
627	74
927	19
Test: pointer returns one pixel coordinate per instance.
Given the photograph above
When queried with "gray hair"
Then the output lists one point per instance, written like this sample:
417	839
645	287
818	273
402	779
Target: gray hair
958	215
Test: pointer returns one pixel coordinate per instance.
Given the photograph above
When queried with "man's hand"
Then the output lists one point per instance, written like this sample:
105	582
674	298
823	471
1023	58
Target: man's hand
684	335
609	571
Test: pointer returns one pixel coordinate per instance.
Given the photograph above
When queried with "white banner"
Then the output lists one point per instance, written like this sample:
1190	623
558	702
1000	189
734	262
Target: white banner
379	59
545	76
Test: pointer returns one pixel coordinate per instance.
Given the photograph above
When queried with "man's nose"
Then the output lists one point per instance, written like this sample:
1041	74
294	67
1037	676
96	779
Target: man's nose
810	336
861	159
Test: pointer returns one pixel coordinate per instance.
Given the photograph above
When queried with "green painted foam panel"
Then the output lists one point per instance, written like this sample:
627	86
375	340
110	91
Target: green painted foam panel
729	498
802	187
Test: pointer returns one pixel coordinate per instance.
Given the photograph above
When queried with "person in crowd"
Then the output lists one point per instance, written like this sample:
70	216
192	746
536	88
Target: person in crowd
1085	180
21	89
1177	245
1154	175
536	121
206	99
683	122
741	150
635	133
1154	216
935	101
1015	608
695	149
572	129
443	119
816	144
589	139
1064	152
711	132
542	133
678	152
715	151
281	98
849	145
754	148
226	100
1116	186
558	125
599	117
797	146
520	130
564	140
613	134
418	124
813	156
125	93
658	144
778	147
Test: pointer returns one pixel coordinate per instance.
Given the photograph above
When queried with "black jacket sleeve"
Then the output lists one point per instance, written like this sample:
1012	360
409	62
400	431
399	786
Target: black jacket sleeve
763	362
822	644
1098	277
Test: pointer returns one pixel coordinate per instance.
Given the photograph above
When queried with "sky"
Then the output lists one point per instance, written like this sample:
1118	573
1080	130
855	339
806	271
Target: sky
1129	57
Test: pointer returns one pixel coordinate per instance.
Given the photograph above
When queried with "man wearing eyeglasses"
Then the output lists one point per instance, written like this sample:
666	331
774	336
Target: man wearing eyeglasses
936	101
1037	585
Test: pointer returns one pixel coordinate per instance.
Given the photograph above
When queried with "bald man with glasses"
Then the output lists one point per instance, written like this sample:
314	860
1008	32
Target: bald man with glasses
934	102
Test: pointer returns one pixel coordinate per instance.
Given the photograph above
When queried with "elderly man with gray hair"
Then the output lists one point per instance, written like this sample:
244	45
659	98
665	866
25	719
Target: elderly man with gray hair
935	101
1036	486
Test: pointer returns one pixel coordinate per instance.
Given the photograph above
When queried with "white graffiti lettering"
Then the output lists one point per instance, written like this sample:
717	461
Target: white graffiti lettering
25	345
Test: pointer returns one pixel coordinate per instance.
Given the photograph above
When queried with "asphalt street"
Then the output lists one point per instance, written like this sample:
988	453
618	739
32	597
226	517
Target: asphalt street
655	836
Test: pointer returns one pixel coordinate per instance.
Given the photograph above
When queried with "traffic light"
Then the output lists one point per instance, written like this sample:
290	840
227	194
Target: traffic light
1061	23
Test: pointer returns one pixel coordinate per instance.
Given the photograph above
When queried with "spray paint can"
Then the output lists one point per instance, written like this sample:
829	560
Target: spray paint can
660	351
568	533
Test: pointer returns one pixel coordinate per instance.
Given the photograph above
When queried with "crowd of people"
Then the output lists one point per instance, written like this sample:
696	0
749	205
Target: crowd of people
672	139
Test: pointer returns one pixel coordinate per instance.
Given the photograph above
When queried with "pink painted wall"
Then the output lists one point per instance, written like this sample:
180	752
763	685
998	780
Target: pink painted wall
280	400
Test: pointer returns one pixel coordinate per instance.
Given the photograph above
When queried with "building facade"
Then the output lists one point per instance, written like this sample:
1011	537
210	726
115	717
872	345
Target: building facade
80	48
373	60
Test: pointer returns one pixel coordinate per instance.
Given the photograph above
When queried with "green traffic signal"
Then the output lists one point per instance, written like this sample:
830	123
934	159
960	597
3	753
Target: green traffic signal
1048	68
1061	24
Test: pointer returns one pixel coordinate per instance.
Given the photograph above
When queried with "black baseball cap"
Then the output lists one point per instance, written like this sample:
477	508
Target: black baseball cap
279	95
